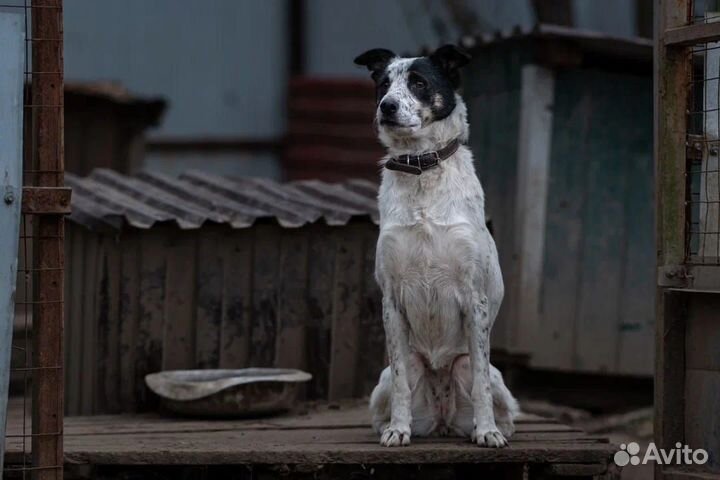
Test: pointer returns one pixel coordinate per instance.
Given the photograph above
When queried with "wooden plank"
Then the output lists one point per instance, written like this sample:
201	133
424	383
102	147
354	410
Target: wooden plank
702	402
12	51
149	334
237	300
561	274
180	309
671	99
129	318
100	322
266	263
533	159
671	105
320	307
671	380
603	252
702	334
636	352
112	358
689	35
88	372
347	298
209	298
322	437
74	337
348	415
46	200
314	447
292	311
684	473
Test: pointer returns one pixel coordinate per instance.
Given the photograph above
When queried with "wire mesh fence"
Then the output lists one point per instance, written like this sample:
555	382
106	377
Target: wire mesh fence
703	143
35	415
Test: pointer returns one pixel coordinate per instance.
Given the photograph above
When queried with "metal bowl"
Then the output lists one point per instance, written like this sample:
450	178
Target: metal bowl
227	393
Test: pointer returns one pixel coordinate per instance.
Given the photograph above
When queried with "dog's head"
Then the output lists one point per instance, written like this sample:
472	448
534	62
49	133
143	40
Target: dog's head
413	93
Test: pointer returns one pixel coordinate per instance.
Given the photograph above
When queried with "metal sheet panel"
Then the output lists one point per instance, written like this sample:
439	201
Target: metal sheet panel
107	199
12	51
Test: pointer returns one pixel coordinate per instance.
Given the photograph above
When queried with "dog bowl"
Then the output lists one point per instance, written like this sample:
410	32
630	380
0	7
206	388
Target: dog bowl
227	393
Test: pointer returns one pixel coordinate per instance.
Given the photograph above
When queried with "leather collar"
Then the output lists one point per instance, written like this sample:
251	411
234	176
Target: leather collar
417	164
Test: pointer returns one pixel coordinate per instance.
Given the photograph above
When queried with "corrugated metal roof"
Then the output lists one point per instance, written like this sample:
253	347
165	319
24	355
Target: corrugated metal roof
108	199
623	47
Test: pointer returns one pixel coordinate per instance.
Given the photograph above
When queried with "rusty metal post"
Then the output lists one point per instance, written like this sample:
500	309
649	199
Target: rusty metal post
47	99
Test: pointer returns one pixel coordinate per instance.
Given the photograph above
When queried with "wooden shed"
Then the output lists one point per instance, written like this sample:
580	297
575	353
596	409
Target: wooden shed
561	128
207	272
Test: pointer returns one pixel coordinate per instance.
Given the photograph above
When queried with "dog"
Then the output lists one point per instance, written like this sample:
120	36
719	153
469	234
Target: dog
436	263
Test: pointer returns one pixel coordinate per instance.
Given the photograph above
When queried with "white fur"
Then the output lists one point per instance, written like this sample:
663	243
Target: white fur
438	269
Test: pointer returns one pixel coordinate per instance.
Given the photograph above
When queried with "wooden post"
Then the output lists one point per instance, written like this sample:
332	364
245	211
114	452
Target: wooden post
671	71
47	101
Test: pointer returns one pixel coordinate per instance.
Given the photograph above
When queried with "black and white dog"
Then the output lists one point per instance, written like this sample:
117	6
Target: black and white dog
436	264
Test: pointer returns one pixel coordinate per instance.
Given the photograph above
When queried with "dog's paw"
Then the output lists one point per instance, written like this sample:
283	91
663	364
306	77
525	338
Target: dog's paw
395	436
488	437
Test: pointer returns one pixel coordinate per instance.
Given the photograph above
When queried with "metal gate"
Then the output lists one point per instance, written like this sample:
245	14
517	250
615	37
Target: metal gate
687	146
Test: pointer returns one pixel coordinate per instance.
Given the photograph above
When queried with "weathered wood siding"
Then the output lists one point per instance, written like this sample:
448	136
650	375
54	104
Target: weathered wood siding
595	310
597	302
492	90
140	301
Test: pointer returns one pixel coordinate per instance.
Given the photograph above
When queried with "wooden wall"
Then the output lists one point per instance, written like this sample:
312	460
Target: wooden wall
140	301
491	89
595	308
702	376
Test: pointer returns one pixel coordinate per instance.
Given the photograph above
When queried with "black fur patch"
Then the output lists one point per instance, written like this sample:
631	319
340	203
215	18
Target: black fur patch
432	86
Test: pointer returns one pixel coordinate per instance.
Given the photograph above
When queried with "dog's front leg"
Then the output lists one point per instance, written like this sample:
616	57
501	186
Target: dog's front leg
397	432
485	432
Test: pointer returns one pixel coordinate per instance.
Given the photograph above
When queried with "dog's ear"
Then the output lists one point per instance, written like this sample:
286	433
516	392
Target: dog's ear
450	58
376	59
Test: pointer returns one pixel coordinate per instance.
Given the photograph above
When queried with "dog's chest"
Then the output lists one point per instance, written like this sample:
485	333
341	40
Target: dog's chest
427	255
429	237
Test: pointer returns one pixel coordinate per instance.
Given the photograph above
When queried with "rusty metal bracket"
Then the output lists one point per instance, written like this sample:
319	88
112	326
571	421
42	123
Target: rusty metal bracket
46	200
673	276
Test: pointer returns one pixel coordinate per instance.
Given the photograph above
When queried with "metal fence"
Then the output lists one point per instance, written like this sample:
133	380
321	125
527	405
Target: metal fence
687	99
703	143
35	419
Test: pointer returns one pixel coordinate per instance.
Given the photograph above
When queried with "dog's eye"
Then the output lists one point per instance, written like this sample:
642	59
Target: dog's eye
385	83
419	84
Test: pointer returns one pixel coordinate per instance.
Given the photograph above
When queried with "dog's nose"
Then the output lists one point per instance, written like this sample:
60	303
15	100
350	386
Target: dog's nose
388	107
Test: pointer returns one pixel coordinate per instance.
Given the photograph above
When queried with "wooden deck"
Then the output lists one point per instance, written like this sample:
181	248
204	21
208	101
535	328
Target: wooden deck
325	443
